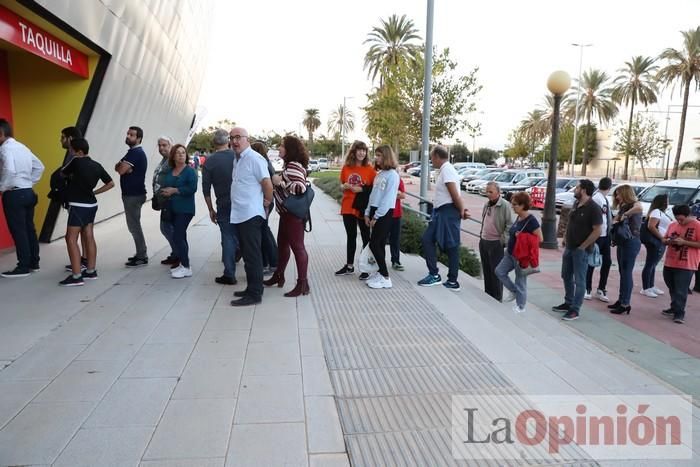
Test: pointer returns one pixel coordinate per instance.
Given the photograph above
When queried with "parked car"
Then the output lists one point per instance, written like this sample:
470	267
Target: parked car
323	163
475	185
469	165
313	166
524	185
685	191
479	175
538	192
515	176
415	171
410	165
278	164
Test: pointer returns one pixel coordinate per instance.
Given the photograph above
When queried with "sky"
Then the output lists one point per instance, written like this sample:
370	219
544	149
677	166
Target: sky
271	59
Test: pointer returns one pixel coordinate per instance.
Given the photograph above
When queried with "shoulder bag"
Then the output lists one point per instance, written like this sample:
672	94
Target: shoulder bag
300	205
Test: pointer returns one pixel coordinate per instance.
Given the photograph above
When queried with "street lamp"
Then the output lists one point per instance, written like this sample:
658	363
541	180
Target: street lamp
557	83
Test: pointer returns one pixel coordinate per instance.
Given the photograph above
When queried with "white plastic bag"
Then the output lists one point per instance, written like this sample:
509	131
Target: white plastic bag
367	261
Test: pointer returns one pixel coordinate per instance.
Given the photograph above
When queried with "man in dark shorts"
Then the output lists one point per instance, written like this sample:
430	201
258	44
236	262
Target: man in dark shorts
83	174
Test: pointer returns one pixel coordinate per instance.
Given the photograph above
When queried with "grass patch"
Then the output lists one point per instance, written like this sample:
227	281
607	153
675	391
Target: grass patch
326	174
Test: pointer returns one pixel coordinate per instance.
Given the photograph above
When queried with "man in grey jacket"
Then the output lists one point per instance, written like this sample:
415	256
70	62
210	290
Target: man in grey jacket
496	219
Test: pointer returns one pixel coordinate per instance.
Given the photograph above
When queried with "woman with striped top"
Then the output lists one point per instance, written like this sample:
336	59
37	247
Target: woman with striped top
290	235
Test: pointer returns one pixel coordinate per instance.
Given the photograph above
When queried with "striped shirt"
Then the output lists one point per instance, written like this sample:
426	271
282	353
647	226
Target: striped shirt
293	183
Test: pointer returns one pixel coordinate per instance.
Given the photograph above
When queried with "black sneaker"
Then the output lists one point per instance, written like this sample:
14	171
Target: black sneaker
678	319
35	268
169	260
364	276
563	308
452	285
246	301
71	281
570	315
226	280
90	275
345	270
668	312
136	262
83	267
16	273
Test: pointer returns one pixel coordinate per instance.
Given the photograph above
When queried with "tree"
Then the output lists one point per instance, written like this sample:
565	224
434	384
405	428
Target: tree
341	122
486	155
517	147
682	65
585	142
635	84
204	138
596	101
391	44
535	127
311	123
643	141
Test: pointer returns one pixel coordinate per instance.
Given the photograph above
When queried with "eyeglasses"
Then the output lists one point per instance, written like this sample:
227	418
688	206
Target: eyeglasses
236	137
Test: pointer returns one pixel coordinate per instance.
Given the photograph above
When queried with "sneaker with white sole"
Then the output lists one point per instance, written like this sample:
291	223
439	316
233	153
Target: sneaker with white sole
649	293
373	276
509	297
379	282
181	272
518	309
430	280
71	281
452	285
16	273
602	296
587	296
657	291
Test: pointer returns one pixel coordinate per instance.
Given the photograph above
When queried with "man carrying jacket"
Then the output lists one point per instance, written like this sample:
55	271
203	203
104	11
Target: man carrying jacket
496	219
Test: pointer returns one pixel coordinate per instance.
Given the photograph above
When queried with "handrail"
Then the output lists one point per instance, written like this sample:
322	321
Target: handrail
426	201
426	216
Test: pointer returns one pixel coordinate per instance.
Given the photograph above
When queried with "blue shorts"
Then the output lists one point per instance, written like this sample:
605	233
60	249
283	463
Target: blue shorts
79	216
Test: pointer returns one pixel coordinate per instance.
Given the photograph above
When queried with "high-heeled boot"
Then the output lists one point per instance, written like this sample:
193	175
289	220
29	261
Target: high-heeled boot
277	278
302	288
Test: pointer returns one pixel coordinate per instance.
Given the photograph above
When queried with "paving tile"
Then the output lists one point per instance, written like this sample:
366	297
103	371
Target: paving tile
177	331
105	447
275	319
317	381
221	343
14	395
307	315
82	381
277	358
230	318
133	402
329	460
201	462
310	340
275	334
159	361
113	346
41	362
40	432
323	425
250	445
270	399
209	379
193	428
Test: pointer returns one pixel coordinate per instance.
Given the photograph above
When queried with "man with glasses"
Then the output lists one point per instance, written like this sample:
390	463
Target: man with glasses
496	219
251	194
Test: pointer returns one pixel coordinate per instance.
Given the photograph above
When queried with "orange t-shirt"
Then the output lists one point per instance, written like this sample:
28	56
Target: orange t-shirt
360	175
683	257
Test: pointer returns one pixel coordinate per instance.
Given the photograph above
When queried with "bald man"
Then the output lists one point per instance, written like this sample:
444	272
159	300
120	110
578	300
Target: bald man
251	194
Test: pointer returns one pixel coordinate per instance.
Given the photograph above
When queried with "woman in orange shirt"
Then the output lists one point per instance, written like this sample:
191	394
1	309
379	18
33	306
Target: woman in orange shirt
356	176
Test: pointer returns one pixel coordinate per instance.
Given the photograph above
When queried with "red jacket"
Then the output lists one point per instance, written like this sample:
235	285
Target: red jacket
527	250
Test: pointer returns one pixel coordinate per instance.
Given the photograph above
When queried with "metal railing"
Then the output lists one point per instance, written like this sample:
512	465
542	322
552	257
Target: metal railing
423	201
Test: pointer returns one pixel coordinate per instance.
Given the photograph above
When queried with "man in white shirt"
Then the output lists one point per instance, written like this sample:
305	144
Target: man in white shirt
600	197
251	194
20	170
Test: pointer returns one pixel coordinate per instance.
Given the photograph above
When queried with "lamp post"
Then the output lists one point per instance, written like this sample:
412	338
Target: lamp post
558	83
427	95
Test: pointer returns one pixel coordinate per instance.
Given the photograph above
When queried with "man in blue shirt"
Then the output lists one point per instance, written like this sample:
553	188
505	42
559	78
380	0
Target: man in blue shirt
251	194
132	171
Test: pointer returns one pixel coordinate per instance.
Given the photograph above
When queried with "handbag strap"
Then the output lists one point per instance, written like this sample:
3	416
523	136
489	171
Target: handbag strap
308	221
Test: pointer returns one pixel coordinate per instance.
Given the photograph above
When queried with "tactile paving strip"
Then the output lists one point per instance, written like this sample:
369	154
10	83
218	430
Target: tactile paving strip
395	362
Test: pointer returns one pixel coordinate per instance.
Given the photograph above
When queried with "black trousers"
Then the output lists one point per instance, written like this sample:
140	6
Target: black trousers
351	224
378	239
491	253
604	248
250	239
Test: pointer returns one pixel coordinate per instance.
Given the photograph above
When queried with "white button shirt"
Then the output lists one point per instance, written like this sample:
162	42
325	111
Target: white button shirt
19	167
249	169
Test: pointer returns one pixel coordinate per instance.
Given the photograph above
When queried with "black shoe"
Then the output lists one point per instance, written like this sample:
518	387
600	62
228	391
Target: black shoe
168	261
345	270
621	310
615	305
563	308
246	301
71	281
364	276
226	280
136	262
669	312
678	319
570	315
34	268
83	265
16	273
92	276
241	293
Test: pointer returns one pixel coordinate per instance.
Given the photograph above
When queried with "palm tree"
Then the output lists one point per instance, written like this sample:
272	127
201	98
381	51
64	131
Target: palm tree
635	84
596	101
535	127
391	44
684	66
339	124
311	123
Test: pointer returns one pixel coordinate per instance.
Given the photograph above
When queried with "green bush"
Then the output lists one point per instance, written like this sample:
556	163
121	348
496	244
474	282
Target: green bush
412	229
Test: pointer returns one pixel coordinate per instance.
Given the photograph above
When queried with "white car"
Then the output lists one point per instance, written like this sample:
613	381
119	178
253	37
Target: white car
678	191
313	166
278	164
475	185
323	163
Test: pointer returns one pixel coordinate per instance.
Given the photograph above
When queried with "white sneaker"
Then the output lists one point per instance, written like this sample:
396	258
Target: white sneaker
509	297
181	272
600	295
379	282
517	309
649	293
373	276
587	296
657	291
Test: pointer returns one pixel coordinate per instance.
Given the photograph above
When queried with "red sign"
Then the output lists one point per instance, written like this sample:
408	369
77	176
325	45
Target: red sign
537	194
25	35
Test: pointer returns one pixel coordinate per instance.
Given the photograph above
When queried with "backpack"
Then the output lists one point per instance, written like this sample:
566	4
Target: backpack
58	188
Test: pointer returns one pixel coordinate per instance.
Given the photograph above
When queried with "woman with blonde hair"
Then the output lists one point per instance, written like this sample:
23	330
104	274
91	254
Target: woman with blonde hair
356	178
625	234
380	213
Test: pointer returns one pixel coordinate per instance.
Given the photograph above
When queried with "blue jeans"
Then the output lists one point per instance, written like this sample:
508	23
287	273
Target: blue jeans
182	249
429	241
519	288
229	242
168	231
19	213
655	251
627	252
678	283
574	266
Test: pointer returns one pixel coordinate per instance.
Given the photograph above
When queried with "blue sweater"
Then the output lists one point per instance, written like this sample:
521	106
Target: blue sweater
383	196
186	183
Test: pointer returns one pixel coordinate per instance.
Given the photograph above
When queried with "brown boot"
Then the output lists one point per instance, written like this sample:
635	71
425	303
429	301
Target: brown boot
277	278
302	288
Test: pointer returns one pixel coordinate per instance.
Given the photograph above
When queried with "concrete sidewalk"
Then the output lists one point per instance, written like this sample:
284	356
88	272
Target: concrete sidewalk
140	369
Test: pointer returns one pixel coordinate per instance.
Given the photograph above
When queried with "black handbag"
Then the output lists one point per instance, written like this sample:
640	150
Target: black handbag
362	199
300	205
621	232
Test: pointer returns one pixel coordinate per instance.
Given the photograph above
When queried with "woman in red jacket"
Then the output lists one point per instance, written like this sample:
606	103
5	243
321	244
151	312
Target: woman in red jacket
525	224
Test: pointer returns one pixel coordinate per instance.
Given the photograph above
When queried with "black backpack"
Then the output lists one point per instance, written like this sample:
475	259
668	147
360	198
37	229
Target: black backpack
59	188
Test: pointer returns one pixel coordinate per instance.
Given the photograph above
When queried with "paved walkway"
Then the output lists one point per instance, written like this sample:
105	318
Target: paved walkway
140	369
